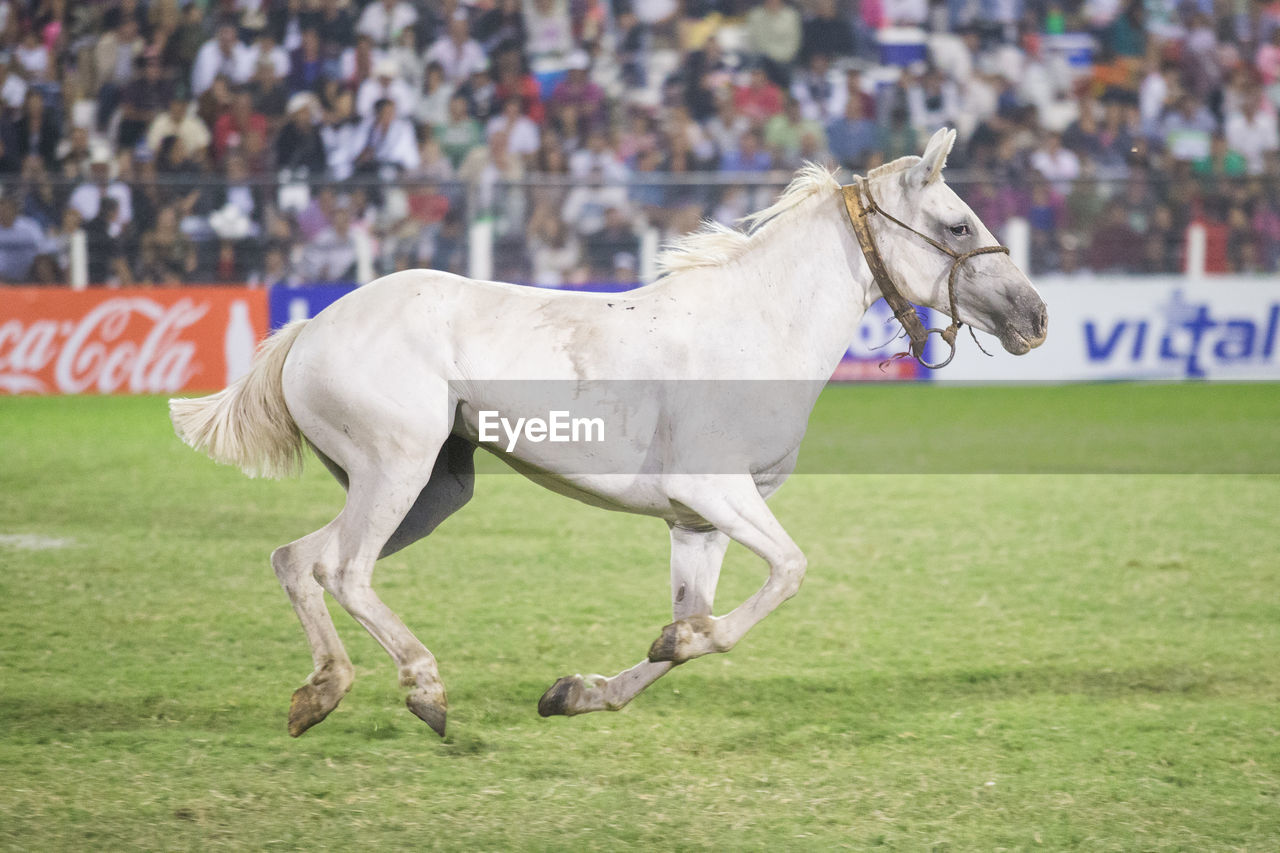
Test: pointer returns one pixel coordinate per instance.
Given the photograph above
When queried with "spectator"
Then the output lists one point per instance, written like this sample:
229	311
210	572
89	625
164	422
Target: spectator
383	20
266	51
336	25
411	67
233	127
37	130
515	81
299	146
554	250
269	93
586	204
433	103
615	237
165	254
1251	131
933	102
522	133
107	241
759	98
385	84
88	197
1188	130
1114	241
854	137
816	91
1060	166
500	28
224	55
749	156
308	67
35	194
460	133
825	33
784	135
20	242
331	254
456	52
577	90
178	120
773	33
386	141
550	32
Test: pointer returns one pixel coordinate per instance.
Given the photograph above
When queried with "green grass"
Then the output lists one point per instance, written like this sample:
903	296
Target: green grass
976	662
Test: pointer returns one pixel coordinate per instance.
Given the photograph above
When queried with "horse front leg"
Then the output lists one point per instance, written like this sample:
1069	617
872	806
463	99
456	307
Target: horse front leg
696	557
735	506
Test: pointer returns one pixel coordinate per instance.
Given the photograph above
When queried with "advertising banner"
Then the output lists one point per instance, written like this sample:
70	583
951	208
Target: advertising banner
1108	328
135	341
290	302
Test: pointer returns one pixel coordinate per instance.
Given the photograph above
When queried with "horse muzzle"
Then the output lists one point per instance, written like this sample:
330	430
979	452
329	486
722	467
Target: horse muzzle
1021	336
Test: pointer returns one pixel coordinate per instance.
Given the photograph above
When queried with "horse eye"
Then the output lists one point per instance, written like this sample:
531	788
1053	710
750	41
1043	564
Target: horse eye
960	230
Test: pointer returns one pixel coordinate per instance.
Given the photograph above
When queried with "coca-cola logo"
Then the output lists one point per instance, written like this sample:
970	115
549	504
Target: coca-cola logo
95	352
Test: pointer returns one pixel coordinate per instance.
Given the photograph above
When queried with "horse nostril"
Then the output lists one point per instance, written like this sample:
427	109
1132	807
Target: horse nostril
1040	322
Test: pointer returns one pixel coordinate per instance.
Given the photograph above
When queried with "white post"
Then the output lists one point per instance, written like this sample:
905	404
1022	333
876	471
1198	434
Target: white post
480	248
78	260
1197	249
363	245
1017	236
649	253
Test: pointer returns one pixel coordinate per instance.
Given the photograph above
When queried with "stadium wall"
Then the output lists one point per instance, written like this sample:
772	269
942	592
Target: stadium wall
166	340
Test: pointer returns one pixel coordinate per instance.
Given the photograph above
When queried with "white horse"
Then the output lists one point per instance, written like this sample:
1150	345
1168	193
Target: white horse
388	384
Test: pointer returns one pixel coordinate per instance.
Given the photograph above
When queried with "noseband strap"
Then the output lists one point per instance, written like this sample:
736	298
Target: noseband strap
904	312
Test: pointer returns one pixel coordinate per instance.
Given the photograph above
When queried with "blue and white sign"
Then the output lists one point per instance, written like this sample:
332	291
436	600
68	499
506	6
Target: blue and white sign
1124	328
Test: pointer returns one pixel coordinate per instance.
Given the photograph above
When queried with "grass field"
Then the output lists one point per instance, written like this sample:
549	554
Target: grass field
1057	661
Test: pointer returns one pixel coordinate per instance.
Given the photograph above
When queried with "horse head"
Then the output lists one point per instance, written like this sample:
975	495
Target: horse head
938	253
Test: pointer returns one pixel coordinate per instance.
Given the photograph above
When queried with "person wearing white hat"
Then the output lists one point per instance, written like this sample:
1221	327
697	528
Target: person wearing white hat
300	145
87	197
385	82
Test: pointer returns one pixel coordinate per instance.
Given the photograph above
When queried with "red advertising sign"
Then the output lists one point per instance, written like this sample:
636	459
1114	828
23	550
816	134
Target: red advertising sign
129	341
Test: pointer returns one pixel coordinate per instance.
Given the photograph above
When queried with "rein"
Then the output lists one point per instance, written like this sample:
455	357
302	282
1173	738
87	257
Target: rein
903	311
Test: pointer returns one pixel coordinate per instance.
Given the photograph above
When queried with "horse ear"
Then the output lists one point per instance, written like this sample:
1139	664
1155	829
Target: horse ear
929	169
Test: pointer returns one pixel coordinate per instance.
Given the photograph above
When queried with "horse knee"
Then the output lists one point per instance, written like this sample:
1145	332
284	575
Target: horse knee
791	574
285	564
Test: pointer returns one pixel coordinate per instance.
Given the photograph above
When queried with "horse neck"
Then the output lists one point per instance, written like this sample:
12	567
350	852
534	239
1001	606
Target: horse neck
809	268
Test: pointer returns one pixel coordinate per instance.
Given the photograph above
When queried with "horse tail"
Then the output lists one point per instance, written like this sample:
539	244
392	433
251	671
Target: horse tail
247	424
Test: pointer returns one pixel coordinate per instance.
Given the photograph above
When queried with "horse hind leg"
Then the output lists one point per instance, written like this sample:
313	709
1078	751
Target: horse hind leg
450	487
378	502
333	674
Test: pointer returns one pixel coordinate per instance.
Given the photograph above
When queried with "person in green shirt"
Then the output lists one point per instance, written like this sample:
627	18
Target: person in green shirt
459	133
1221	162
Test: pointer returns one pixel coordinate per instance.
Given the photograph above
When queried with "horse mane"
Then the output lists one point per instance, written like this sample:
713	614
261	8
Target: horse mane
893	167
714	244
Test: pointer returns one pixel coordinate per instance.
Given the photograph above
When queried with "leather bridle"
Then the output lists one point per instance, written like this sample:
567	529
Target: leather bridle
903	311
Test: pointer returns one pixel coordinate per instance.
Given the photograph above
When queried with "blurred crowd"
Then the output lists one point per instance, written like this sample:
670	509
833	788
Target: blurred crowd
265	141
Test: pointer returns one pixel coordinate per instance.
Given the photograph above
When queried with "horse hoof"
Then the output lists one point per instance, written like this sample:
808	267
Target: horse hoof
685	640
309	706
430	712
555	702
667	646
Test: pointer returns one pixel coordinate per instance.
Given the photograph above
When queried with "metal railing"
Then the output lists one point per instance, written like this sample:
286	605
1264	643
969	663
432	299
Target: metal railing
554	229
